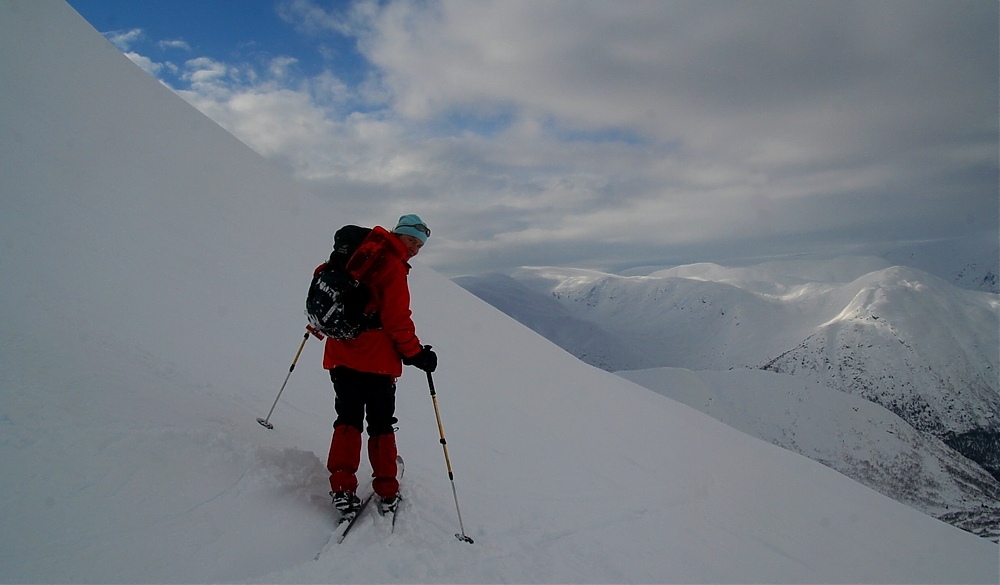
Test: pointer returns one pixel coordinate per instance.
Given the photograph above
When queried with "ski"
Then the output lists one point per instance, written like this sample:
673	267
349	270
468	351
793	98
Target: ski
392	529
347	520
344	525
400	467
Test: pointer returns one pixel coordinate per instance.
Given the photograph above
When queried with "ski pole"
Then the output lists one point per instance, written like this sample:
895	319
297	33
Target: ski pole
266	421
447	460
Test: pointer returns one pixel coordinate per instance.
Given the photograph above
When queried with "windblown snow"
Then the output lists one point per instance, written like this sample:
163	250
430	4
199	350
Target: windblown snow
154	270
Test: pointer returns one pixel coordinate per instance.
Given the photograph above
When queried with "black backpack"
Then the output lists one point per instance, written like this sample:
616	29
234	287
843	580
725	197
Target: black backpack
336	301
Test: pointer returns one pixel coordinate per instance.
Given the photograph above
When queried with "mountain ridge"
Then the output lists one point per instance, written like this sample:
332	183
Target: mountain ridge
897	336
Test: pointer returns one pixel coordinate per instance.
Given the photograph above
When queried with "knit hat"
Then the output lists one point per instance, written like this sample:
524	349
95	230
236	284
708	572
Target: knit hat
412	225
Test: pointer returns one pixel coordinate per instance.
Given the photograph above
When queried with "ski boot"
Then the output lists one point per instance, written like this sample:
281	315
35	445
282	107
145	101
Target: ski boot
388	505
345	502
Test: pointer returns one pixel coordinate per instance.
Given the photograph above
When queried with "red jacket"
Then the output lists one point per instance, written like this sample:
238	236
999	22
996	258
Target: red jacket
380	351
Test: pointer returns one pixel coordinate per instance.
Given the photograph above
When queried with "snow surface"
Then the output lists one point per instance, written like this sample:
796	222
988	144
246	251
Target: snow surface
937	345
905	340
844	432
153	274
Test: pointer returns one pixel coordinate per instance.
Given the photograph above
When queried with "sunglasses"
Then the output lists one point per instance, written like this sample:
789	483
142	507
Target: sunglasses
419	227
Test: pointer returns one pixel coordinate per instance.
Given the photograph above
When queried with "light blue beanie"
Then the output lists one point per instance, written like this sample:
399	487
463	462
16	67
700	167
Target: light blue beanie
412	225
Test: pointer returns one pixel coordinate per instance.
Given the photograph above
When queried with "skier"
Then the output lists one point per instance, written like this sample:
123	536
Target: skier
364	371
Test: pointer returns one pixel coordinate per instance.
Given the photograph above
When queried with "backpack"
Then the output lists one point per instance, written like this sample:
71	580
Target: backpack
336	300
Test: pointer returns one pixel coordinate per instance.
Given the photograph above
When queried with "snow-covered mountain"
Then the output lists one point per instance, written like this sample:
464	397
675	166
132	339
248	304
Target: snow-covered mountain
848	433
153	276
925	350
970	263
918	346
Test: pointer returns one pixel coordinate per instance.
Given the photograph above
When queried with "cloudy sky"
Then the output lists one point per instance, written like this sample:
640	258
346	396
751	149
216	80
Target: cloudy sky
606	134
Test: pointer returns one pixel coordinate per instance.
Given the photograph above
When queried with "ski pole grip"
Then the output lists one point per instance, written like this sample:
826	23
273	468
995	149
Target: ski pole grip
430	384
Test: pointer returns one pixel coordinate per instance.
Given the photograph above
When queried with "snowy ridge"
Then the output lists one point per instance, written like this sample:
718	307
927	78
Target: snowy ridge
937	344
978	270
904	339
154	272
915	344
550	318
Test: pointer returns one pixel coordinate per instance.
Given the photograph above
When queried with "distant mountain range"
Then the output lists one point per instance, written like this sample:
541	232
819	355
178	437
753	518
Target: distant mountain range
909	343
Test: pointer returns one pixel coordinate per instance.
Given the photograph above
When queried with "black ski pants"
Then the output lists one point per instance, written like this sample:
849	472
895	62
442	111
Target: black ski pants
361	393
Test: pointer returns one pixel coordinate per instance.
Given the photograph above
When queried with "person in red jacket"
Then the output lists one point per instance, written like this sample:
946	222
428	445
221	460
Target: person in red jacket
364	369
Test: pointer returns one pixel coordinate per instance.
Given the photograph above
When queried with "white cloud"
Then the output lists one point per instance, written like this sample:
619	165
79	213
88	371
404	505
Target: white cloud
784	83
150	66
175	44
575	128
205	74
279	67
124	39
345	19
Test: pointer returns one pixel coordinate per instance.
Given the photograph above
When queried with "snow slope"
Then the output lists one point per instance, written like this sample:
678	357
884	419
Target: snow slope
908	341
913	343
844	432
898	336
154	270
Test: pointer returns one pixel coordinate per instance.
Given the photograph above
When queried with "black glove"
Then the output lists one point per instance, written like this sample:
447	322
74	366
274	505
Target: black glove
426	359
